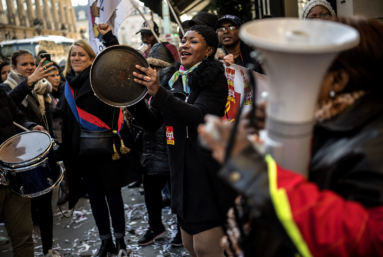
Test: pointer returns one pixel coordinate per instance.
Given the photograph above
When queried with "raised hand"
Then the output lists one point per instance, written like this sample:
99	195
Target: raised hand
150	80
228	59
40	72
103	28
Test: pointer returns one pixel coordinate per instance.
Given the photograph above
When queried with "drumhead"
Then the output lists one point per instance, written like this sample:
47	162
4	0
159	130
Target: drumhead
24	147
111	76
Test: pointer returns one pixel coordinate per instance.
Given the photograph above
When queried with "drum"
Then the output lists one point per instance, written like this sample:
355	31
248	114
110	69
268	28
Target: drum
27	160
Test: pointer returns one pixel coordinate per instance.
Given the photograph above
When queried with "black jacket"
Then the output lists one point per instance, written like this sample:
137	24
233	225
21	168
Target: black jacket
197	194
9	113
19	93
160	56
154	158
113	174
346	159
245	57
347	153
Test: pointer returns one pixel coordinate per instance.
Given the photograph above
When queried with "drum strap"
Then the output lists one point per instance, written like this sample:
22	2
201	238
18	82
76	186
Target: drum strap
89	121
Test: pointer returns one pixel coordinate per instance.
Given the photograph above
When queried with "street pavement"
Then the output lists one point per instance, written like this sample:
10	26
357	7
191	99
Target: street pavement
78	236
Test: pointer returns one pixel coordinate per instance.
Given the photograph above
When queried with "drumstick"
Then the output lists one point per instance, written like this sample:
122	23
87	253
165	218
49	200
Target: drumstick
18	125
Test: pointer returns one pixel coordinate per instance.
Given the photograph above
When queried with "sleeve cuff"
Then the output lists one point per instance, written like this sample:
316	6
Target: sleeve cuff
108	36
243	170
25	83
161	96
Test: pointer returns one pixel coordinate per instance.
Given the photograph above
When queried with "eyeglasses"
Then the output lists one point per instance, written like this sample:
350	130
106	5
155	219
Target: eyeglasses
322	16
224	29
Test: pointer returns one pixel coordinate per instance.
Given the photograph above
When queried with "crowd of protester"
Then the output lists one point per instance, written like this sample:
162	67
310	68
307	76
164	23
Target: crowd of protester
217	215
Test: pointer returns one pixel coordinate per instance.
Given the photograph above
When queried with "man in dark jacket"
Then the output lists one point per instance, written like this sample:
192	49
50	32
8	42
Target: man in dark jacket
235	50
15	210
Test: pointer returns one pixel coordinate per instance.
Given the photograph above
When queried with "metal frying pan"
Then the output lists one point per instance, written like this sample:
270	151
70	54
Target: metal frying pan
111	76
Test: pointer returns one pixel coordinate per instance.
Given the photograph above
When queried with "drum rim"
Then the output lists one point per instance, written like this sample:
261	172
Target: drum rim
107	101
25	168
43	192
28	162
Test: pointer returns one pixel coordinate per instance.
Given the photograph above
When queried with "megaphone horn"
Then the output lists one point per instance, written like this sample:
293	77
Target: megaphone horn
296	55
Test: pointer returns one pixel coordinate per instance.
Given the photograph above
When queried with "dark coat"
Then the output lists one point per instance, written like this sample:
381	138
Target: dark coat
8	114
19	93
348	153
154	158
245	57
197	193
160	56
56	115
346	159
113	174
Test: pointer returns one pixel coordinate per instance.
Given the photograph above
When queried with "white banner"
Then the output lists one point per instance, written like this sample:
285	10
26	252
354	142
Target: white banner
240	90
124	9
112	12
94	19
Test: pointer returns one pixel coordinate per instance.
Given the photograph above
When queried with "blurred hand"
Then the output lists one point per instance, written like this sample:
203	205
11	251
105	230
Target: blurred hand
224	128
38	127
228	59
261	64
259	119
103	28
40	72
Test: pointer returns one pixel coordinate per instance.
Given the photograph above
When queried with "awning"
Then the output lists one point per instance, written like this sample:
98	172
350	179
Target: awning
180	6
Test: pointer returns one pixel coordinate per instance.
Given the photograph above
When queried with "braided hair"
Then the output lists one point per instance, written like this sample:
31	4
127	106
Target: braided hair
209	35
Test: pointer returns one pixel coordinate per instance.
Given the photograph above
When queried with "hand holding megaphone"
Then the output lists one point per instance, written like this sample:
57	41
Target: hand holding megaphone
215	133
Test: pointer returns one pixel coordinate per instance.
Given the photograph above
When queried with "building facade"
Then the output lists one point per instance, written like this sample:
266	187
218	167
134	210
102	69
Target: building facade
82	20
21	19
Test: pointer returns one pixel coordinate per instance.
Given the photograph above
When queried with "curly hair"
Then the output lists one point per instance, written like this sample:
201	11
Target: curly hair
209	35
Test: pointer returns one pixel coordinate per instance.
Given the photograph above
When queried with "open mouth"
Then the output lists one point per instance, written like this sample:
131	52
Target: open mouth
185	54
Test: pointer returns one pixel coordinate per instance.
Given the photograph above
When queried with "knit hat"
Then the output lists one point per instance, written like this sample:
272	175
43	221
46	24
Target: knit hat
311	4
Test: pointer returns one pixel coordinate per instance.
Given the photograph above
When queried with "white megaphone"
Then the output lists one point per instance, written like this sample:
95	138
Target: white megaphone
296	55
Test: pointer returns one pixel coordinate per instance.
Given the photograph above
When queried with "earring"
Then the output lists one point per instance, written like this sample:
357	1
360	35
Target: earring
332	93
206	57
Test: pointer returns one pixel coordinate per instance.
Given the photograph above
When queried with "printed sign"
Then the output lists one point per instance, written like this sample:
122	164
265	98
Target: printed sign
169	135
240	90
